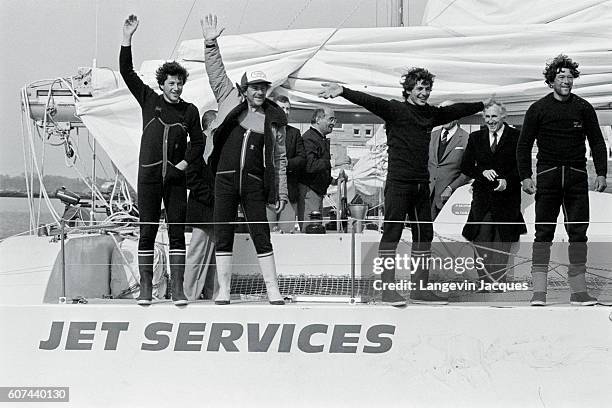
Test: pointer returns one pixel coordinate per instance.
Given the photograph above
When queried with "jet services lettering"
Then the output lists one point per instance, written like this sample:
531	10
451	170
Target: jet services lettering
223	337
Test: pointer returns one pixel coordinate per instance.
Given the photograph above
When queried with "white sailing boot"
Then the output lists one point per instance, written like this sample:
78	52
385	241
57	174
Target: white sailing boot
224	277
268	270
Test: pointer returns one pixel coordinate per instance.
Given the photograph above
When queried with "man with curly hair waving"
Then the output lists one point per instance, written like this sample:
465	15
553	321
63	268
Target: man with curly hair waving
166	120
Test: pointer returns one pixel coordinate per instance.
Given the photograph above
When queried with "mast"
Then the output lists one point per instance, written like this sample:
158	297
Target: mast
397	13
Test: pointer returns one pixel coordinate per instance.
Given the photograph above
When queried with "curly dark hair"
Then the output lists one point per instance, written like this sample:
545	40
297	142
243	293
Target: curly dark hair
170	68
554	67
413	76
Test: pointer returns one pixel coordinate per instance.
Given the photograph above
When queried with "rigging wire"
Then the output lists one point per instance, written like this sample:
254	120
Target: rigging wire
178	39
440	13
294	19
244	9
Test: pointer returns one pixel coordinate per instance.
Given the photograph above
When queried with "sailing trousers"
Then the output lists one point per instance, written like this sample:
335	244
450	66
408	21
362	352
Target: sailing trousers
566	188
230	192
412	200
150	197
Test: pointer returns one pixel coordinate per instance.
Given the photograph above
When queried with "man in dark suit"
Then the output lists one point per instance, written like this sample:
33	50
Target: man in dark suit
200	260
296	160
446	149
490	160
316	177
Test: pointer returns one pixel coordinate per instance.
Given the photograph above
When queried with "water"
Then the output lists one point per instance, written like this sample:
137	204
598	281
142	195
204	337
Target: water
15	216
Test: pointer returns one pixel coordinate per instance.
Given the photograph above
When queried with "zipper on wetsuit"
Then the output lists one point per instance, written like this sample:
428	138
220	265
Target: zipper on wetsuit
562	176
245	140
165	151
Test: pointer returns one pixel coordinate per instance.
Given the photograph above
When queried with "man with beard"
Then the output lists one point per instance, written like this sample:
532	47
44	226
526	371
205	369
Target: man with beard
560	122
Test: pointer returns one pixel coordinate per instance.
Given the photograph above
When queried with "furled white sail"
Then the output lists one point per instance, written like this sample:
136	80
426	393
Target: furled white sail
471	63
444	13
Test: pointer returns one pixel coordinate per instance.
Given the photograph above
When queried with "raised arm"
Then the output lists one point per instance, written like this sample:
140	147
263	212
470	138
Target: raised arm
382	108
456	111
217	76
126	67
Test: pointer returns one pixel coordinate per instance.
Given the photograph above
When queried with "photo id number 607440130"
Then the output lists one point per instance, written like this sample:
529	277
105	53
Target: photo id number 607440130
34	394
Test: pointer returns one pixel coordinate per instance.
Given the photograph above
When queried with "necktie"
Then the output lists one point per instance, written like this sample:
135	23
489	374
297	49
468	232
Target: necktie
494	144
444	137
443	144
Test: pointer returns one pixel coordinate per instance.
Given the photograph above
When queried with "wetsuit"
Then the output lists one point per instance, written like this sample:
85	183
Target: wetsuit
249	164
407	186
162	146
560	128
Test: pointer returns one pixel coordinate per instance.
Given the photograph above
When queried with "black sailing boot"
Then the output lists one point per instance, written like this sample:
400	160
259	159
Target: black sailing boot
177	272
145	268
420	279
390	296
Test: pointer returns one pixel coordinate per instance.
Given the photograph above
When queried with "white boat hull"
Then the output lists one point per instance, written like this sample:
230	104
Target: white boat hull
337	355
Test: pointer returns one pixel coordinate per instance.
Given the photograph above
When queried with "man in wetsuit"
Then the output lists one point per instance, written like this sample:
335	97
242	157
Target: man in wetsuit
560	122
409	124
248	161
167	120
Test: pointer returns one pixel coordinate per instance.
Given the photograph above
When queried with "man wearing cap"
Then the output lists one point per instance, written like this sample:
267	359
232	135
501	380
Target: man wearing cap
248	161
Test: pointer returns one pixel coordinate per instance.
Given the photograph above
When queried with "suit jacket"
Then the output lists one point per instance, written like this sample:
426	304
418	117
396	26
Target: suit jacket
505	206
317	172
446	172
201	200
296	160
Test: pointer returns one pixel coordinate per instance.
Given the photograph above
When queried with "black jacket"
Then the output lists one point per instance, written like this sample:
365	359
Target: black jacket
317	172
409	131
200	203
296	158
275	119
505	206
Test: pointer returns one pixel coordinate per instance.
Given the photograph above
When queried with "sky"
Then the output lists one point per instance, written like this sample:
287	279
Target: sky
44	39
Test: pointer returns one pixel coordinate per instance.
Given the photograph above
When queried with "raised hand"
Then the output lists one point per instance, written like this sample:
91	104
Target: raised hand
210	29
130	25
330	90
